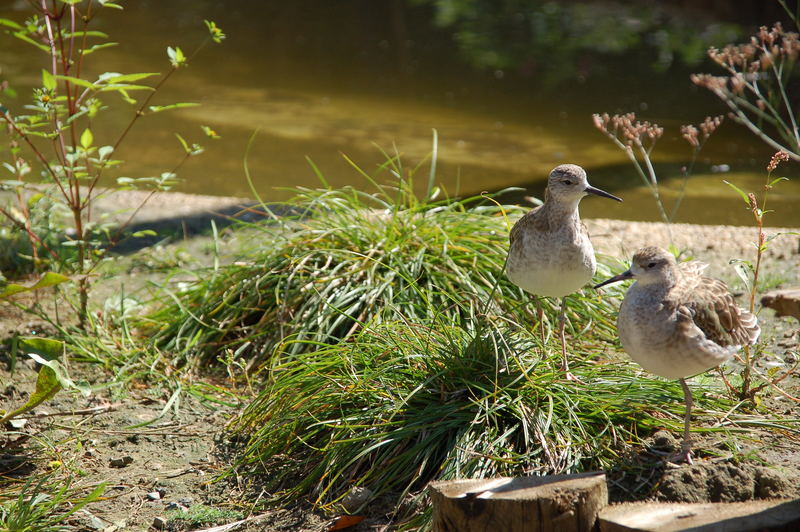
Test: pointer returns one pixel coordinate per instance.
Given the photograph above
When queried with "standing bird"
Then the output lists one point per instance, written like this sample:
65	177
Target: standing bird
677	323
550	252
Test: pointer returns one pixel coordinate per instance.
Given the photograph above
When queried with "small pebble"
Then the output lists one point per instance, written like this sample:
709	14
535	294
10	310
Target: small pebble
664	441
120	462
356	497
159	523
18	423
154	496
176	506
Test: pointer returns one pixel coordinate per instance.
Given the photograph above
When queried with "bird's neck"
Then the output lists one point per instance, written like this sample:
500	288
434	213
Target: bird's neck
659	288
561	211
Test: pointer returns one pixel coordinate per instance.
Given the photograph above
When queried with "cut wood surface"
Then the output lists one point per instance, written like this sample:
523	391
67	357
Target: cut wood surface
785	302
761	515
567	503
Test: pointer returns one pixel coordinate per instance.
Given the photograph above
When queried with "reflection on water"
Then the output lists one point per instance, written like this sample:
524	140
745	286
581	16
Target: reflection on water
510	93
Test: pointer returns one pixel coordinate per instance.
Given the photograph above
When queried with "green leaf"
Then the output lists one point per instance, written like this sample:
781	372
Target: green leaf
92	33
106	3
145	232
126	97
115	77
48	81
21	36
10	24
47	385
77	81
184	143
87	138
60	372
159	108
35	198
743	271
741	192
47	280
777	180
119	87
100	46
45	347
105	151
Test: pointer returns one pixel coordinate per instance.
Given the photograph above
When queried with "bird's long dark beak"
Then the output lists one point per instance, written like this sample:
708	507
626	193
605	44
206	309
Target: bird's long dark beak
597	192
617	278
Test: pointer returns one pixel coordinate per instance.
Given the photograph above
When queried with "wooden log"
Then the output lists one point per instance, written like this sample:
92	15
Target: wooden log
785	302
564	503
761	515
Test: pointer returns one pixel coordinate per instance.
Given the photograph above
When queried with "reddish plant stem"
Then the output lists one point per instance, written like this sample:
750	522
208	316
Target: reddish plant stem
31	234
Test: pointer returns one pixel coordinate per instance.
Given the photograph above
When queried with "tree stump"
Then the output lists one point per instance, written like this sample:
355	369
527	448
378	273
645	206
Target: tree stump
563	503
784	302
758	515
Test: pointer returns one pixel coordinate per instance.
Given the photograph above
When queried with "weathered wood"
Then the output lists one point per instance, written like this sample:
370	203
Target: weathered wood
785	302
567	503
761	515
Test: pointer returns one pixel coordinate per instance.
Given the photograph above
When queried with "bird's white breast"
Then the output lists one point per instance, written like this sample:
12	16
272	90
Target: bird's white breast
551	264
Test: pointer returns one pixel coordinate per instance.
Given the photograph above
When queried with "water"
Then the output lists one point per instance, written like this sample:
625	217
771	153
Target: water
318	80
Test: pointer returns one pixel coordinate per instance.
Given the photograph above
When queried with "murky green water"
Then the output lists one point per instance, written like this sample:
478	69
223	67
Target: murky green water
318	79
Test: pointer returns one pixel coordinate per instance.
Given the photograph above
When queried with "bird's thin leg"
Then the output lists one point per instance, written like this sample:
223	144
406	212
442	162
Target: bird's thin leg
562	322
686	444
540	318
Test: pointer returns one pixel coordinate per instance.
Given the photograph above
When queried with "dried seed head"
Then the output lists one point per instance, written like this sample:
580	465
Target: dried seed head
601	121
716	84
776	160
689	132
627	130
709	125
753	202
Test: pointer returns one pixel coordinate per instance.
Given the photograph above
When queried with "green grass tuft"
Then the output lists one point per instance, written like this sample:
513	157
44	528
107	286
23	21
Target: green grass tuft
399	405
347	258
199	515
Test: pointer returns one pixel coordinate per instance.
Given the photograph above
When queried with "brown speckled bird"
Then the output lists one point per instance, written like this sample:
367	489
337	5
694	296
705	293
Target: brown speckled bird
676	323
550	252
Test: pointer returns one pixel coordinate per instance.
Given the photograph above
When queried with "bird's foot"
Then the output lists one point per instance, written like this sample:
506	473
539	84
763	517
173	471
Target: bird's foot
684	455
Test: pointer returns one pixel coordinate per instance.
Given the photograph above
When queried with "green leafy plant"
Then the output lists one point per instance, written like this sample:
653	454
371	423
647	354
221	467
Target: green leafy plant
52	376
749	272
47	280
44	505
62	114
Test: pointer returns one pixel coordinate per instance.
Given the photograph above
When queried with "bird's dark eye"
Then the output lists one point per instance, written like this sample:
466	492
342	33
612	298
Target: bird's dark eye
651	265
567	182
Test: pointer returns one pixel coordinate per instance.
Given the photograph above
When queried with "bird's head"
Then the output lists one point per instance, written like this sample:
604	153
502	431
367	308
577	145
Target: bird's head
567	183
650	265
